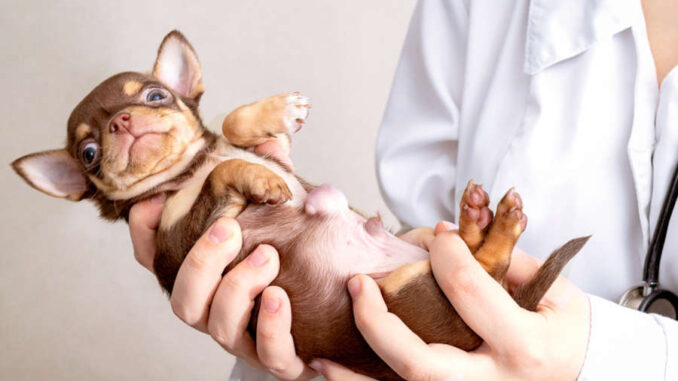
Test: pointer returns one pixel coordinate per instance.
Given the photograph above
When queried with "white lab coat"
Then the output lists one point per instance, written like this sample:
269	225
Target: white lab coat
558	98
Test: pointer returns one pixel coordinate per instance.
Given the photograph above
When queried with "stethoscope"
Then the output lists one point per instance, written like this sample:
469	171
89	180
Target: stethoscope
649	296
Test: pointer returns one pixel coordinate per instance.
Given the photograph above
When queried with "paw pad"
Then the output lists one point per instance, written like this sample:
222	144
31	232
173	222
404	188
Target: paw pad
474	205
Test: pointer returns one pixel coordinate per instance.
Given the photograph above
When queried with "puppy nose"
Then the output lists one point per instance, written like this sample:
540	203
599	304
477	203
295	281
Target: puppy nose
120	122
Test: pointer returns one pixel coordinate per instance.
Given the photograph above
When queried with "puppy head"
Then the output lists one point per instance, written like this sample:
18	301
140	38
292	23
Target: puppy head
132	133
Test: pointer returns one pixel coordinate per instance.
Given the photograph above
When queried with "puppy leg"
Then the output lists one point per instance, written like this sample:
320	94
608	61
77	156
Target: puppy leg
254	181
509	222
475	216
267	119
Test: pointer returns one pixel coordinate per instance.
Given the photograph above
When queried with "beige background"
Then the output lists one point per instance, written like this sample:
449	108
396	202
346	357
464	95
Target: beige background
74	305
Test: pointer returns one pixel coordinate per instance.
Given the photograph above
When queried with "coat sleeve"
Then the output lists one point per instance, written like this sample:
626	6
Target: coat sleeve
243	372
625	344
417	143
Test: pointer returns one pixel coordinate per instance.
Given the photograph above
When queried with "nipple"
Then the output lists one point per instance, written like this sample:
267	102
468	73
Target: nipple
325	200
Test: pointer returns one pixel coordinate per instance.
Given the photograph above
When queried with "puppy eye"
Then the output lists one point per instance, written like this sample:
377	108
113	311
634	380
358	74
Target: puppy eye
155	95
89	153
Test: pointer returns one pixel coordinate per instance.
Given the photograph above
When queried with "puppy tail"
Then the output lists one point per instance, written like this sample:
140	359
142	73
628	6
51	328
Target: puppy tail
530	293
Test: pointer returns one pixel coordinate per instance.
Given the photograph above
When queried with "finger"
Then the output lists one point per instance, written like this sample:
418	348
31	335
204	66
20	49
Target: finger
335	372
234	299
279	149
275	345
481	301
200	273
444	226
388	336
421	237
144	218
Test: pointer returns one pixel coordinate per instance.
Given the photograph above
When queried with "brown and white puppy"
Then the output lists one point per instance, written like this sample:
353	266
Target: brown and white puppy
136	135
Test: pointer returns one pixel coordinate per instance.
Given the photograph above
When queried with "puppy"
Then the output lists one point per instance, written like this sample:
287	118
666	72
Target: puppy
136	135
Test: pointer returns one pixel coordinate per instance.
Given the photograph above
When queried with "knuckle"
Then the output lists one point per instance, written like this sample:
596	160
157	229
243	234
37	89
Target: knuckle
183	312
197	260
234	283
362	323
459	281
276	365
267	334
222	337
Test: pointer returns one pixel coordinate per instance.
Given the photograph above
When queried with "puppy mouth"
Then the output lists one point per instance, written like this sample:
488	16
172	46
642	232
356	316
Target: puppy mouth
140	146
141	142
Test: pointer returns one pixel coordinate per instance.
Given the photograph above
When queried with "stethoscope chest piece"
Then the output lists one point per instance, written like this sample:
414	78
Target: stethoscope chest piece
632	297
652	300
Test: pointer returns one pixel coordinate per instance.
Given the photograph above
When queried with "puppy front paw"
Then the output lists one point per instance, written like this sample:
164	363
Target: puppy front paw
259	122
296	111
270	190
254	182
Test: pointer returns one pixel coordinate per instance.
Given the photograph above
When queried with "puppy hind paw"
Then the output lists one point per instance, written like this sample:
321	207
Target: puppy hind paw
510	215
475	215
474	206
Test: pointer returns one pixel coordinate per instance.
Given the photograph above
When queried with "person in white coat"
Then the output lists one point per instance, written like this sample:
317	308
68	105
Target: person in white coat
575	103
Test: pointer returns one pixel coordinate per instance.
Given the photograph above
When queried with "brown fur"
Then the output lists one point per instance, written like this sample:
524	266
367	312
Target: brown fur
415	298
238	188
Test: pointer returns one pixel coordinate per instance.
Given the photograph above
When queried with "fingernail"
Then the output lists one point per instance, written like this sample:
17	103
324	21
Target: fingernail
219	233
448	225
354	286
257	258
316	365
271	304
158	198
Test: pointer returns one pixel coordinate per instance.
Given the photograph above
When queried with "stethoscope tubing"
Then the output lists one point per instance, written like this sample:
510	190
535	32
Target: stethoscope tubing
654	252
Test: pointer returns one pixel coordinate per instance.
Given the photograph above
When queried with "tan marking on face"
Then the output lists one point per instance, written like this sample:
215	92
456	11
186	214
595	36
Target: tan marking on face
403	275
144	184
172	133
131	87
82	131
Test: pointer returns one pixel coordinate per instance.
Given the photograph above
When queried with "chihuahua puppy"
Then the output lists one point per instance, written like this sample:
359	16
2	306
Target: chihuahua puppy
136	135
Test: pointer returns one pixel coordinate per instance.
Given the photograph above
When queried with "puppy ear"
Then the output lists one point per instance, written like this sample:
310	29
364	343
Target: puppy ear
177	66
53	172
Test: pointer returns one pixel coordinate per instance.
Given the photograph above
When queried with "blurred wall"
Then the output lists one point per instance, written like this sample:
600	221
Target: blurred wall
74	305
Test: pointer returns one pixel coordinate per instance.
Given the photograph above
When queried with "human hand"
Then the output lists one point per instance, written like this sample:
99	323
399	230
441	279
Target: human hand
222	306
422	237
518	344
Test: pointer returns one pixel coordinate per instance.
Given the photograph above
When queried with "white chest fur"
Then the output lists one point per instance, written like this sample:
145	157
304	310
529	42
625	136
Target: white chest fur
180	203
